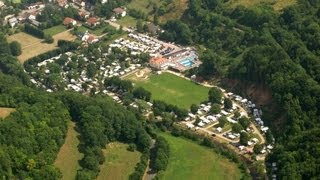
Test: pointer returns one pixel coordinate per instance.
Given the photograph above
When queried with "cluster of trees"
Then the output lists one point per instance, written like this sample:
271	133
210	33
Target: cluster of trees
121	85
33	134
13	48
278	50
159	107
34	31
141	93
52	15
140	167
161	154
215	95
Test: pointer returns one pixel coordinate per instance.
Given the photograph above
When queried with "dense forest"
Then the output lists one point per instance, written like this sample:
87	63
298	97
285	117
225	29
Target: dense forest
279	50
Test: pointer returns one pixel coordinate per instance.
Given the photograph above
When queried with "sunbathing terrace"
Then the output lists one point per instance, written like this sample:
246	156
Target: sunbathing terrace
180	61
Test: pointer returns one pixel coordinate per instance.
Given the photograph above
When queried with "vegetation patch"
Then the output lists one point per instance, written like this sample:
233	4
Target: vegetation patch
276	4
54	30
172	89
68	157
189	160
120	162
127	21
5	112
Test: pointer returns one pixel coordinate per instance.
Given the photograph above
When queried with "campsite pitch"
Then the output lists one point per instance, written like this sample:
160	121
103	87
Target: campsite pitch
191	161
172	89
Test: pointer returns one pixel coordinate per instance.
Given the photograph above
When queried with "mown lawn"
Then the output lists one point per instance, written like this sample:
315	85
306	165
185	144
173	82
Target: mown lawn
190	161
55	30
172	89
120	162
68	157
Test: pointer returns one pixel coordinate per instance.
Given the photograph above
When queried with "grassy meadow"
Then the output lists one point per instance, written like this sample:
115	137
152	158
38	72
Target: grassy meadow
120	162
32	46
191	161
172	89
68	157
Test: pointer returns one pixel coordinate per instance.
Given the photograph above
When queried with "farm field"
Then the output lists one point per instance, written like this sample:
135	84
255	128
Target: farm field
172	89
68	156
191	161
55	30
32	46
4	112
120	162
276	4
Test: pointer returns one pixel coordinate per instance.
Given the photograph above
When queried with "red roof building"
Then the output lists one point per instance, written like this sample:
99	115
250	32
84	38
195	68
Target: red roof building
67	21
159	63
120	11
93	21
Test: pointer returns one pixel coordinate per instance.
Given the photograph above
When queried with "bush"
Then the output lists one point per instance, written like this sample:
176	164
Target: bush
48	39
15	48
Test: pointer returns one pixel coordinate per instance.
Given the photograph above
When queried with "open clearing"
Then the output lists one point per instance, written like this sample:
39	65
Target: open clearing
120	162
127	21
177	8
68	156
32	46
276	4
4	112
172	89
54	30
191	161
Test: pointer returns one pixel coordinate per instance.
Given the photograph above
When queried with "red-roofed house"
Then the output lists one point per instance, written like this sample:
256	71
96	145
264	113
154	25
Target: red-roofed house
69	21
92	39
93	21
62	3
159	63
120	11
84	14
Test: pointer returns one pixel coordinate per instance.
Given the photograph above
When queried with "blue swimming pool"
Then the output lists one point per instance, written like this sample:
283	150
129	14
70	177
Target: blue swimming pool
188	61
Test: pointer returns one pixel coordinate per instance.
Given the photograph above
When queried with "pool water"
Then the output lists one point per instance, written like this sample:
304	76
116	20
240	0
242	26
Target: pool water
188	61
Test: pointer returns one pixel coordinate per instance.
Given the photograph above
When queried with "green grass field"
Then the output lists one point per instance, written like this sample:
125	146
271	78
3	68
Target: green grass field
172	89
190	161
127	21
55	30
68	156
120	162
